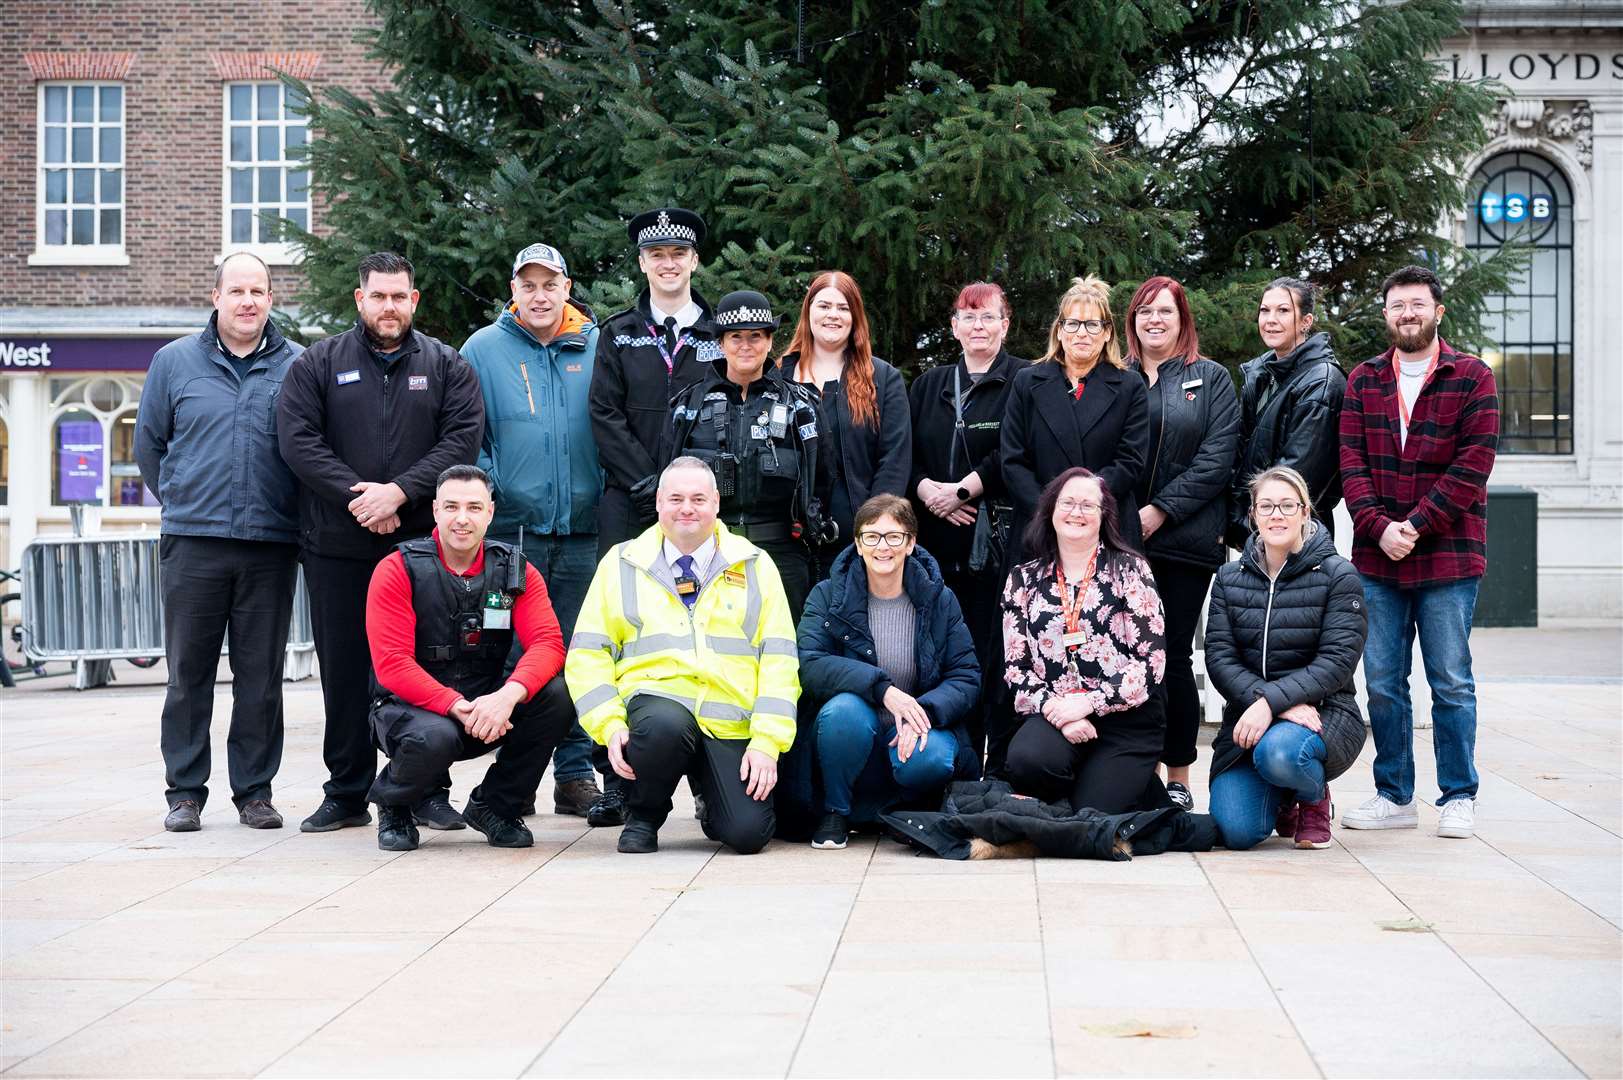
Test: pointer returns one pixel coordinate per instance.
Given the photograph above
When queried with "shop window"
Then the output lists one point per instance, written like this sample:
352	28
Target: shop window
1524	198
93	442
81	171
265	176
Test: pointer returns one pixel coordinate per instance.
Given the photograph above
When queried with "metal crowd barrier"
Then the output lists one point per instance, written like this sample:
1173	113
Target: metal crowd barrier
95	599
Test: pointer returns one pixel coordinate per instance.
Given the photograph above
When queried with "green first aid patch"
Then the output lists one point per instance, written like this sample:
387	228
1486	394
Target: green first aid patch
494	599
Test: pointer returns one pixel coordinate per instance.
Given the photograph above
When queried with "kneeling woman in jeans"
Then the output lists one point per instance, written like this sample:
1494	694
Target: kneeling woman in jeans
884	647
1084	641
1283	636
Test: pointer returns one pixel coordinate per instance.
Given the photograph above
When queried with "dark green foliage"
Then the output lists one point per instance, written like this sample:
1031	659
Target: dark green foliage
918	144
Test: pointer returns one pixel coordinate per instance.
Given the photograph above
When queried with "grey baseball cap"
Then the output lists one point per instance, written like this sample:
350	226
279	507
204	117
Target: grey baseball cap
542	255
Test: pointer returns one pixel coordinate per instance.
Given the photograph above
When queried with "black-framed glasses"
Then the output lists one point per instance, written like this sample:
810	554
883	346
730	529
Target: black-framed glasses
1288	507
1073	326
891	539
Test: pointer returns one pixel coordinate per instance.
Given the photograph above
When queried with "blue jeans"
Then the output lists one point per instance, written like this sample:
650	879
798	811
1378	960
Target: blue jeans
1288	761
856	760
1441	614
566	564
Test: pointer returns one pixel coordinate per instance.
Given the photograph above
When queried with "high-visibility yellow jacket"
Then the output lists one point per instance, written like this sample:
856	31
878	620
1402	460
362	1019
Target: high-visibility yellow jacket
732	661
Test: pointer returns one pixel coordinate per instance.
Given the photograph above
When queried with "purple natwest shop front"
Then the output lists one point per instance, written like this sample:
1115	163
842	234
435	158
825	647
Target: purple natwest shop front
68	399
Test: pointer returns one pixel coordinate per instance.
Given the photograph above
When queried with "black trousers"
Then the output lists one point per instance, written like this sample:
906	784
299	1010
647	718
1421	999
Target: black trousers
617	520
666	744
1113	773
337	589
980	598
1183	595
421	746
212	587
794	560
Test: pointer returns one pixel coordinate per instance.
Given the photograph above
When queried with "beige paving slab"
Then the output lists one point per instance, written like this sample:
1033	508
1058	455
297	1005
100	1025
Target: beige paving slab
152	1038
40	1012
1206	1041
17	936
93	889
278	966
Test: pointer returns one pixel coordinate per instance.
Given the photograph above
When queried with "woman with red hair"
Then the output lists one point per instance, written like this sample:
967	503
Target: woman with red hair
867	437
1182	493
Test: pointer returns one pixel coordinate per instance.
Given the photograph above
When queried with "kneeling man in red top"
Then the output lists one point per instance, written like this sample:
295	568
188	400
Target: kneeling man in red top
441	615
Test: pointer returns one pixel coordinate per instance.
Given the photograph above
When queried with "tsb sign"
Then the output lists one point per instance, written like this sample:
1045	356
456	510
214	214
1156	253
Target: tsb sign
13	355
1513	207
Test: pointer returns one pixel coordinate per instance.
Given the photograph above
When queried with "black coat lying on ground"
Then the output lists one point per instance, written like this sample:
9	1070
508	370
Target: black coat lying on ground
990	810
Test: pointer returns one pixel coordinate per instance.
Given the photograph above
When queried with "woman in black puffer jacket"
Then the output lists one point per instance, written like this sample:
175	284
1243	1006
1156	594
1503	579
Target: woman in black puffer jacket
1283	637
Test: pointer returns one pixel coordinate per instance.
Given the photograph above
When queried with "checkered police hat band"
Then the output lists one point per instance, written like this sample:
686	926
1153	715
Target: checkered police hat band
667	232
743	315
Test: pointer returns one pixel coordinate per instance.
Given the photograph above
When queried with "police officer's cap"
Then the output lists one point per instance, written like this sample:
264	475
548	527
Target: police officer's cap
667	225
744	310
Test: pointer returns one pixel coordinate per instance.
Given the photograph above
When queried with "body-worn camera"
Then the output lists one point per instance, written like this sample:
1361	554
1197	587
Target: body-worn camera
726	475
468	629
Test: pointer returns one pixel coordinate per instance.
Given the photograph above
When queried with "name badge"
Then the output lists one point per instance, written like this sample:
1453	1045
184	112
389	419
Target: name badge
686	586
417	382
347	377
1192	383
498	619
733	577
1074	640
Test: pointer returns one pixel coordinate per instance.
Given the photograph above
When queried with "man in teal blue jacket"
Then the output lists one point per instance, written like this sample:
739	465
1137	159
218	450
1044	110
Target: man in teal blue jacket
535	368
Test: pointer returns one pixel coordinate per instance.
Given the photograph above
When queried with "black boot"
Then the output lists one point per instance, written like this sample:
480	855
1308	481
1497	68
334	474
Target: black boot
639	837
499	831
395	830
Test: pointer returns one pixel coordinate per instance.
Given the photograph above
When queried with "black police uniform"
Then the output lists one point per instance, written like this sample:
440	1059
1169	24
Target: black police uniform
636	373
763	449
462	647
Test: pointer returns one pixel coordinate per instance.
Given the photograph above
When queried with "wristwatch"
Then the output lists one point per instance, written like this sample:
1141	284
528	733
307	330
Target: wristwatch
963	494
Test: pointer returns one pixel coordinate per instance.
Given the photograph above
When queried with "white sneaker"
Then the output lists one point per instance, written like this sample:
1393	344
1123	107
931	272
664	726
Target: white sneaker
1382	813
1457	819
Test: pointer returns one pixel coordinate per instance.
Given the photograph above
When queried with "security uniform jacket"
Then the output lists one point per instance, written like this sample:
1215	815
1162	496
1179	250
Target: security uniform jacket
1295	639
630	400
1196	417
940	454
864	459
205	440
731	660
1290	414
349	414
774	485
1046	432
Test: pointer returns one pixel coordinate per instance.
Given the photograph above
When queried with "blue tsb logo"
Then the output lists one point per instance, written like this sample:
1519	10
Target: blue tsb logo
1513	207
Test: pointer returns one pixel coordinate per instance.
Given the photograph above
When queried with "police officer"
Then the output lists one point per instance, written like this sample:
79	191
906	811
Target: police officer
442	613
645	356
757	430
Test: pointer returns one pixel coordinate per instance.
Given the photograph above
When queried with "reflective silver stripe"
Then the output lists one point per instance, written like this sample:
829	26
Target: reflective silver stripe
650	643
586	640
752	601
721	710
628	590
597	695
729	646
777	646
775	706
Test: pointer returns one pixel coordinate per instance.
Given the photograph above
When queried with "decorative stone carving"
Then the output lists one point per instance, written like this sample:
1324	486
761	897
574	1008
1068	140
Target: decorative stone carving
1524	122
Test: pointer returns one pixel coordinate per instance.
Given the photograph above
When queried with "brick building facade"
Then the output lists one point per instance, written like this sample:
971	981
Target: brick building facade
140	141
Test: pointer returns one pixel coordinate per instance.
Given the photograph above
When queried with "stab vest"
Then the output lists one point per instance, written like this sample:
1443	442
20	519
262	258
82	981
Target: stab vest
452	642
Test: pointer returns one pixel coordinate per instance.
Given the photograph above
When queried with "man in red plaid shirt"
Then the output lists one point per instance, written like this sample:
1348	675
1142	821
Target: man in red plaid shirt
1418	434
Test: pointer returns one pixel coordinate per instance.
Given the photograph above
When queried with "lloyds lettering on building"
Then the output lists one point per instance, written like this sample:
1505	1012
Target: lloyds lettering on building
1524	66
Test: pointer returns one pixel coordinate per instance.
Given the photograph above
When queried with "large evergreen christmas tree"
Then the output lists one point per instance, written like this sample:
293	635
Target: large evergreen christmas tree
918	144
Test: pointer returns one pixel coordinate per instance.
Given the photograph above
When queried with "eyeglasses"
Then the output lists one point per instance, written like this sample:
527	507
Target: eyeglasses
1398	307
891	539
1084	507
978	318
1288	507
1162	313
1073	326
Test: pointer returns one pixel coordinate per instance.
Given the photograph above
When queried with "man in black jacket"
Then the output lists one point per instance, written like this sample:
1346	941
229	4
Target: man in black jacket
646	355
368	420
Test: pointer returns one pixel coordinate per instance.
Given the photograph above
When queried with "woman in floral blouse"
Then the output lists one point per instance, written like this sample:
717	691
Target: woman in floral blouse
1085	643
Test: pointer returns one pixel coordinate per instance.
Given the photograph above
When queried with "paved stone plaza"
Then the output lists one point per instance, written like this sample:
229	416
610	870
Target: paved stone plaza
129	951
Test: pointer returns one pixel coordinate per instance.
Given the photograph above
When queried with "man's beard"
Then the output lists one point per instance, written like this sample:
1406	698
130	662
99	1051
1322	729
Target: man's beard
1412	339
382	341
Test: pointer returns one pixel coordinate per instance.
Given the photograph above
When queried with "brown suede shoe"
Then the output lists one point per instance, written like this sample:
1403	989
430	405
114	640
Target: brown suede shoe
259	814
574	797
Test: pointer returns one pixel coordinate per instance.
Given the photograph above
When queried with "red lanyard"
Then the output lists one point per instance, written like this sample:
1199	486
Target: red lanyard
1403	406
658	334
1071	603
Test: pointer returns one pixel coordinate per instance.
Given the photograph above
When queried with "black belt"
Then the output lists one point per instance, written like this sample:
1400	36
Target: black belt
763	532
